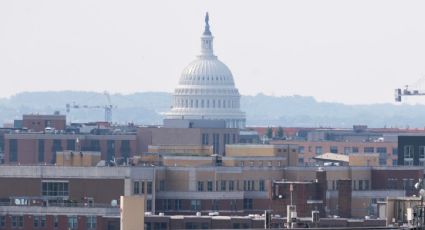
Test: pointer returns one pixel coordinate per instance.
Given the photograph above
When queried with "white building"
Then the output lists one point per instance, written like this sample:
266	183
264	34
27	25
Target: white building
206	89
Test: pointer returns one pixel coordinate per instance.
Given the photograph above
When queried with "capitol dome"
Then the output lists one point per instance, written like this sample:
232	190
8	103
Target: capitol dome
206	89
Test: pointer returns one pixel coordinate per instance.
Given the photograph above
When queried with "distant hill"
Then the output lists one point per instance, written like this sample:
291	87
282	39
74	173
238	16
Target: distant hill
146	108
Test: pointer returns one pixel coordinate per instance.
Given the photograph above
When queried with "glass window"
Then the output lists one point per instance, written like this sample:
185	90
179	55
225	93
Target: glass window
178	204
408	151
421	152
369	149
334	149
261	186
136	187
195	205
301	149
55	221
91	222
52	188
209	186
2	221
347	150
231	185
223	185
72	222
200	186
381	150
161	185
247	203
395	151
149	187
319	150
355	149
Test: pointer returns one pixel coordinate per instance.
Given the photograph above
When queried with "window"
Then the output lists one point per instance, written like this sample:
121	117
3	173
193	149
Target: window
209	186
347	150
195	205
91	222
408	151
205	138
148	205
360	184
381	150
366	185
395	162
301	149
136	187
251	163
149	187
17	221
334	149
110	150
421	152
231	185
261	186
223	185
55	221
2	221
319	150
355	149
369	149
72	222
214	204
161	185
200	186
354	185
13	150
40	150
247	203
269	164
142	187
301	161
178	204
241	163
39	221
216	143
55	188
70	145
395	151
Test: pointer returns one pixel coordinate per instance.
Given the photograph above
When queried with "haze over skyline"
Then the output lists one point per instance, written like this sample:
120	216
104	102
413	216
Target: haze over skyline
337	51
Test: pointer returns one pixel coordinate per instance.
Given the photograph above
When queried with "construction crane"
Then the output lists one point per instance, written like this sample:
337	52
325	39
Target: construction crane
107	107
399	93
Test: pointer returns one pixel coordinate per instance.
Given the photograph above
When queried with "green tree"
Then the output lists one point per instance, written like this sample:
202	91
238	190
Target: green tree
279	132
269	133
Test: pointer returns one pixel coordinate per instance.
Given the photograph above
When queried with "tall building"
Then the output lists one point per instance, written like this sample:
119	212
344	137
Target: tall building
206	89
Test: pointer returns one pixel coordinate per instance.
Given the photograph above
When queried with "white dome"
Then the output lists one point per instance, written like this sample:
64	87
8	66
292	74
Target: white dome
206	71
206	89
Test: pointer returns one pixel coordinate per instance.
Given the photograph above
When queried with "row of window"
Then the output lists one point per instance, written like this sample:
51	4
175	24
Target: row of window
139	187
357	185
230	185
94	145
227	138
347	150
201	103
40	222
260	163
408	151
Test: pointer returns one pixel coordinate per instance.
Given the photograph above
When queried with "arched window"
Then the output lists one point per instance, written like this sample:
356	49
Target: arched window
213	105
196	104
202	103
191	103
208	103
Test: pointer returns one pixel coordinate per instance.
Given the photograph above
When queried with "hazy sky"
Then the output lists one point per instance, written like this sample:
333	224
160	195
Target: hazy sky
344	51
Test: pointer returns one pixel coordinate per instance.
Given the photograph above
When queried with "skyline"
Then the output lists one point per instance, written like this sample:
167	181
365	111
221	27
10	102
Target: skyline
325	50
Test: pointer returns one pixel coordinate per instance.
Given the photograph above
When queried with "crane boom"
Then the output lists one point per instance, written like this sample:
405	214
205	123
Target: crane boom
107	107
399	93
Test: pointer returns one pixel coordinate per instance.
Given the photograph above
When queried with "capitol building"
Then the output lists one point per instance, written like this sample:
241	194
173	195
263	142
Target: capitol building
206	89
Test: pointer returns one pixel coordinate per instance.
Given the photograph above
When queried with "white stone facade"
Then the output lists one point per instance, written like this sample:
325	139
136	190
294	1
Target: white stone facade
206	89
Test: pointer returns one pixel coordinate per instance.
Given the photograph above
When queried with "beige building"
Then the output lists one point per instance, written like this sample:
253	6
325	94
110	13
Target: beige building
77	158
386	150
132	212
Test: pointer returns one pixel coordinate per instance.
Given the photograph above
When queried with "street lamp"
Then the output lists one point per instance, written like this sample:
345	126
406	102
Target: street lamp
420	186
